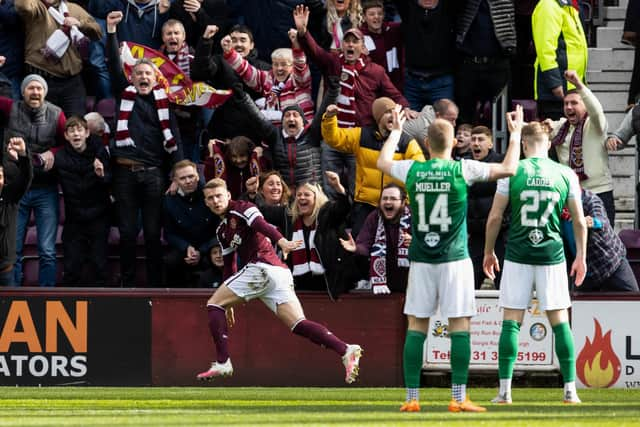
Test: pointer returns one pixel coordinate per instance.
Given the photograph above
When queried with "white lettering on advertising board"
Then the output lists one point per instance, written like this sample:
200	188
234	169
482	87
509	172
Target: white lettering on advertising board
535	350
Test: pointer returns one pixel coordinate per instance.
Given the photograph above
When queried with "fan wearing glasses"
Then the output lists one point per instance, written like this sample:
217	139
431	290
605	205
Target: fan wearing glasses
384	239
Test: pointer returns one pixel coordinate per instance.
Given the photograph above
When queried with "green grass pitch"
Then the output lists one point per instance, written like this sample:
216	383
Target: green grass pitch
220	406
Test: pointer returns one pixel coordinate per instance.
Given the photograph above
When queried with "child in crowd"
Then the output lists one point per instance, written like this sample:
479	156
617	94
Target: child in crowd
82	168
234	161
462	150
212	277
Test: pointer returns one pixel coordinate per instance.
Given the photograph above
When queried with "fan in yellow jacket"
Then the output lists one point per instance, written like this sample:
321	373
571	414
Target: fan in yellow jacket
560	45
365	143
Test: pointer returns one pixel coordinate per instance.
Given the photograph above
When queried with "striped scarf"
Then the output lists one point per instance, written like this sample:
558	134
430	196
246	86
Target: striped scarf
346	100
123	139
576	153
182	58
377	266
305	261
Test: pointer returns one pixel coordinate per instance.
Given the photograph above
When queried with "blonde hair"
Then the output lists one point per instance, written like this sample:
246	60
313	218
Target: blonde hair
534	133
321	199
215	183
354	13
282	53
440	135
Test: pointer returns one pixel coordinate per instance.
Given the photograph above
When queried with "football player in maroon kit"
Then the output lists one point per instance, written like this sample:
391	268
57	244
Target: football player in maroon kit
244	232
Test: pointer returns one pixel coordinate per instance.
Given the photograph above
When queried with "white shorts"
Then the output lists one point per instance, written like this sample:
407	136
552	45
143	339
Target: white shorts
549	281
271	284
449	285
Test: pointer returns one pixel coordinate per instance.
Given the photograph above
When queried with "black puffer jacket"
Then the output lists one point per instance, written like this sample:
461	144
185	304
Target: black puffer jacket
503	18
229	119
297	160
480	199
212	12
340	272
86	195
428	35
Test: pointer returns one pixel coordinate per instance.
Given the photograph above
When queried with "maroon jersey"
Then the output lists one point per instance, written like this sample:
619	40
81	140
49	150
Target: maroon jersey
245	231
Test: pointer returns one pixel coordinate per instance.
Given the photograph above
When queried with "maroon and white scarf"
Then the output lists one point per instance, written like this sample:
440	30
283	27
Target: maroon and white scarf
58	42
305	261
576	153
378	262
123	139
346	100
182	58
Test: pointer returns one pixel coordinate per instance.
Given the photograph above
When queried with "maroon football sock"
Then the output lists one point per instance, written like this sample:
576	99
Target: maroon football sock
219	332
320	335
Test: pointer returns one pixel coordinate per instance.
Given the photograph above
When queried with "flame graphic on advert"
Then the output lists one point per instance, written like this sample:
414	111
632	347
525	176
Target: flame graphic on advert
597	365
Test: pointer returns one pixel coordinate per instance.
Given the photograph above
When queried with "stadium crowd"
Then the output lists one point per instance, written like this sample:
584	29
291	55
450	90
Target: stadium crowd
102	165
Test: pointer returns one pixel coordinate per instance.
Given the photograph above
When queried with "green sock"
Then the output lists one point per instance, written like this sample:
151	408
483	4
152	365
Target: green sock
565	351
508	348
412	358
460	356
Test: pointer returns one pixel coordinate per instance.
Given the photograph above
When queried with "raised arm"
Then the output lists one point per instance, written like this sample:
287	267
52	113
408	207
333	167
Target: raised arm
324	60
346	140
515	121
385	159
591	102
204	66
301	73
254	78
118	79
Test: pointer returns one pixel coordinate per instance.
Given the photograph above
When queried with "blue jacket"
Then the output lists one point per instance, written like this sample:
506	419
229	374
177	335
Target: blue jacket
142	23
11	40
269	20
189	222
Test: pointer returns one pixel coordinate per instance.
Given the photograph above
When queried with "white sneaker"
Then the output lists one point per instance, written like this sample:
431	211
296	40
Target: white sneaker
351	362
217	370
503	399
571	397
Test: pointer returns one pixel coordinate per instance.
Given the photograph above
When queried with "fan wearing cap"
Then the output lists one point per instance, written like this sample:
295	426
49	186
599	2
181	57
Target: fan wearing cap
361	81
40	125
365	143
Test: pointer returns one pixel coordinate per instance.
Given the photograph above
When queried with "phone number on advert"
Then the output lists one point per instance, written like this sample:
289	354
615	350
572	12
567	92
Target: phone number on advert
523	356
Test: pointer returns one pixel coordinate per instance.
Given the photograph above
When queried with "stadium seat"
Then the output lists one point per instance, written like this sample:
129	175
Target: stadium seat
529	106
631	240
107	109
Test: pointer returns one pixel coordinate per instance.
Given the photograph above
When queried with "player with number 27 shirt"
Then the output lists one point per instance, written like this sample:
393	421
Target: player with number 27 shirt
535	255
441	272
